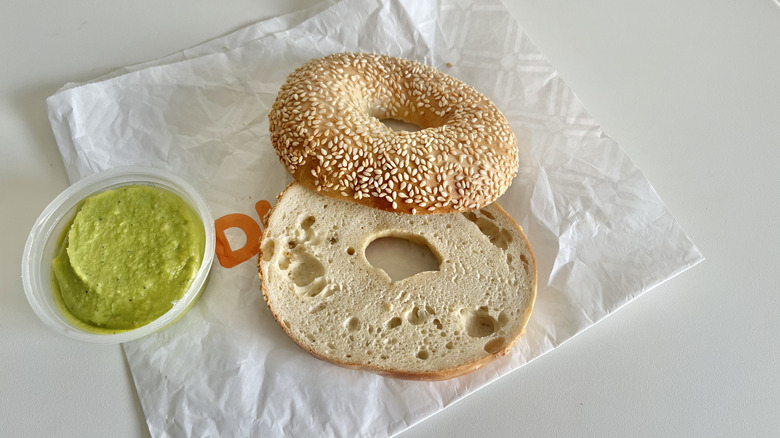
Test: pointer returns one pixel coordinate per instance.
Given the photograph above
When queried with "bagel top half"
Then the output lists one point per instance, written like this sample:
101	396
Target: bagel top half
326	126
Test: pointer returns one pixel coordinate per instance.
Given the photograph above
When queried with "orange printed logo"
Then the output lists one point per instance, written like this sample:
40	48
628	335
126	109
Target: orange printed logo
229	257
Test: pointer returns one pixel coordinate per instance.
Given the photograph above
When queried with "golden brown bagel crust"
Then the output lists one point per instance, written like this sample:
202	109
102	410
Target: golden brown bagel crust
326	128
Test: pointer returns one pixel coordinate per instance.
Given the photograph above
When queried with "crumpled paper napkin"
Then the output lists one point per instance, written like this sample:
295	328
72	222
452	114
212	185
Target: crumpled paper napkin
600	233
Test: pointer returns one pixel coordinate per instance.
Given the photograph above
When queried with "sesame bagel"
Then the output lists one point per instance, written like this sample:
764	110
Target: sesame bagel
468	308
326	126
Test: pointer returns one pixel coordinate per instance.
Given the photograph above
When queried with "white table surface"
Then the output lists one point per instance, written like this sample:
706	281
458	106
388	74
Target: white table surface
691	90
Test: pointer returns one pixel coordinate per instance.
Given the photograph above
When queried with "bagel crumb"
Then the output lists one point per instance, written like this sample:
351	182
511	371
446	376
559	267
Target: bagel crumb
326	128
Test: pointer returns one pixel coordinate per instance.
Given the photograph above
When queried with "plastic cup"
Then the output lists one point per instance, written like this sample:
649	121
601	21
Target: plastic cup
41	248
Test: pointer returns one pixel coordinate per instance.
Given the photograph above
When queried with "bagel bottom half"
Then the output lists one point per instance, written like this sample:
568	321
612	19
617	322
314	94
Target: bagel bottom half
433	325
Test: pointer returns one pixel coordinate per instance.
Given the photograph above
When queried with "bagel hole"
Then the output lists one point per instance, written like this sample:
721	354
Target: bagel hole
400	125
402	256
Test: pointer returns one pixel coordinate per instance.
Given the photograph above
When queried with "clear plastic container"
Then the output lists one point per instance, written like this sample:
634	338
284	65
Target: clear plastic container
42	245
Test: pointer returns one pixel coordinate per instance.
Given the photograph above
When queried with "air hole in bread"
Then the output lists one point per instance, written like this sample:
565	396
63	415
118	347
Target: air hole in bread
331	345
317	308
423	354
351	251
284	262
495	345
268	249
306	268
311	337
493	233
292	243
487	214
416	316
503	319
498	236
479	324
394	322
526	263
448	345
353	324
402	255
383	356
334	239
308	222
506	236
316	287
437	324
328	291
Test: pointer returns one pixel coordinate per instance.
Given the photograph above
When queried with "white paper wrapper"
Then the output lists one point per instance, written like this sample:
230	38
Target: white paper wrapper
600	233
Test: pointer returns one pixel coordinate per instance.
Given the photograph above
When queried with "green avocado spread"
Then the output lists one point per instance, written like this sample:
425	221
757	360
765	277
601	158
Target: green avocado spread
128	255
